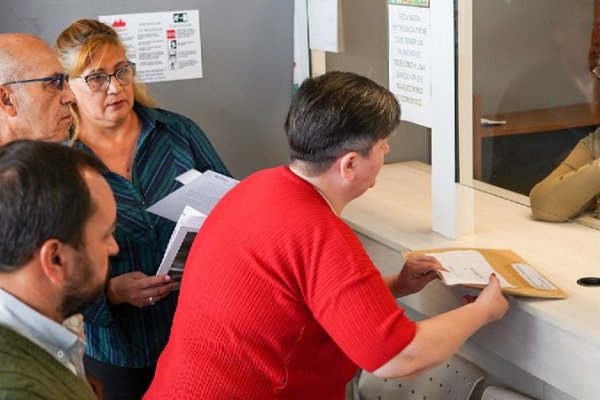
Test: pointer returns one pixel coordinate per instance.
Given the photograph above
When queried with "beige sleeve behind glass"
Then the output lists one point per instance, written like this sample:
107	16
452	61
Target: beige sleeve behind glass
572	186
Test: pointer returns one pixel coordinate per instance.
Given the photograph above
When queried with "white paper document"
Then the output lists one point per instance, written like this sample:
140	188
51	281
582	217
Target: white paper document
301	52
185	231
533	277
467	267
202	194
324	25
188	176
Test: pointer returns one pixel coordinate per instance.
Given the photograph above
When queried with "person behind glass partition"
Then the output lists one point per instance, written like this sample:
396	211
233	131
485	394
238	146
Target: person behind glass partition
556	81
57	217
144	148
574	186
34	91
280	299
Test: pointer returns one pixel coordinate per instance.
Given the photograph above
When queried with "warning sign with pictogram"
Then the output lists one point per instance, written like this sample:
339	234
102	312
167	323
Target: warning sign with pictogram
165	46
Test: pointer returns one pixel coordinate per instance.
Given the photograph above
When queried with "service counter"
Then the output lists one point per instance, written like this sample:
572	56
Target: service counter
548	349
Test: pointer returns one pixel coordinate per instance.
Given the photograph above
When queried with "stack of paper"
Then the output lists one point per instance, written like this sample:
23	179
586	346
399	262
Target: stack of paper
189	206
202	193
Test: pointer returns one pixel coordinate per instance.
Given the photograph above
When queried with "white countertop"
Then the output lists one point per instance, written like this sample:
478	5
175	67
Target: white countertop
555	340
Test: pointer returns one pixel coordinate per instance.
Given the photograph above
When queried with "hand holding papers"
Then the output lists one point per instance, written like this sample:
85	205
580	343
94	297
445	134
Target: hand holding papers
189	206
467	267
472	267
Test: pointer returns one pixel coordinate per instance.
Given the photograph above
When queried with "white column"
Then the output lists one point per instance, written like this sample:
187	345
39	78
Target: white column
452	204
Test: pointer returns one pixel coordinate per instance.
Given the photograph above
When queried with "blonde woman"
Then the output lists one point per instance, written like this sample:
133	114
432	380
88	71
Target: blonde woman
144	148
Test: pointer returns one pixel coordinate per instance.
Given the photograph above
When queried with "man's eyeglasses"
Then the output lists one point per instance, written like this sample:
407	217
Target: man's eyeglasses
58	81
101	81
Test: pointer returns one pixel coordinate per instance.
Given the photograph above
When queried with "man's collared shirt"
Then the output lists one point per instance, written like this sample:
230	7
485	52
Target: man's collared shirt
61	343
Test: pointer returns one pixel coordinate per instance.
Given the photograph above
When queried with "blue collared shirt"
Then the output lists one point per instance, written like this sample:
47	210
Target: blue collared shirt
58	341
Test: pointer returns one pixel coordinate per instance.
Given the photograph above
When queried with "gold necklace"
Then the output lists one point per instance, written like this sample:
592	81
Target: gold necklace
325	198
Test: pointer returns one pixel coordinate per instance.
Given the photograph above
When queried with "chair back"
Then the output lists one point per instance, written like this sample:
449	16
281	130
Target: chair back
456	379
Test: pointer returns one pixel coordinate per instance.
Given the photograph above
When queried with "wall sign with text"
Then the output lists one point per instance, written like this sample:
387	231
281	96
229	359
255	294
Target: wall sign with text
409	59
165	46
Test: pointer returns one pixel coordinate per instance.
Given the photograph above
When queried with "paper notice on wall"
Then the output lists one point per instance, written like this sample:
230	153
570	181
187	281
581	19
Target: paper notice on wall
409	58
165	46
324	25
301	53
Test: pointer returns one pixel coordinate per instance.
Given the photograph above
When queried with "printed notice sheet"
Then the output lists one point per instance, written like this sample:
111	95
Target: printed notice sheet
409	58
165	46
301	53
324	29
202	194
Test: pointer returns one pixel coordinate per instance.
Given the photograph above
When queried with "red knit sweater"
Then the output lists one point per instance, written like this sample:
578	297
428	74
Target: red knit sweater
279	301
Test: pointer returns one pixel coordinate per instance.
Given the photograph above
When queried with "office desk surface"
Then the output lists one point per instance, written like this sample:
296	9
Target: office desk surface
557	341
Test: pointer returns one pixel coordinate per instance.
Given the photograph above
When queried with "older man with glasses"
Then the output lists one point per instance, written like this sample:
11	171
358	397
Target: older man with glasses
34	104
34	91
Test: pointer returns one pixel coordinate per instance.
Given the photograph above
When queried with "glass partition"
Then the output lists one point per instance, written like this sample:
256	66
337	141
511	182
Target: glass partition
535	102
